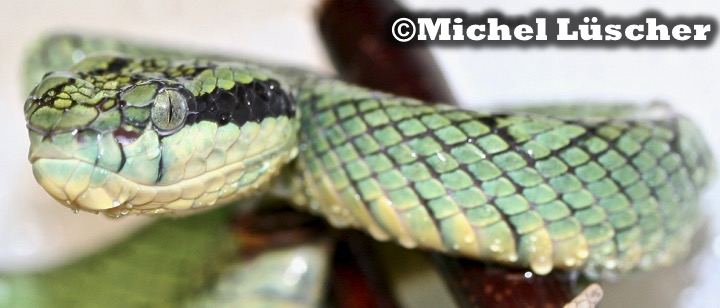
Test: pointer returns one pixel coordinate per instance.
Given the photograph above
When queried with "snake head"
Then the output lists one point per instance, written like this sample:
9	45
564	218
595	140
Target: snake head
122	135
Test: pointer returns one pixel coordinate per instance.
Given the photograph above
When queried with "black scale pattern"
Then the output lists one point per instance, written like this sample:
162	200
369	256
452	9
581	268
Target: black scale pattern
242	103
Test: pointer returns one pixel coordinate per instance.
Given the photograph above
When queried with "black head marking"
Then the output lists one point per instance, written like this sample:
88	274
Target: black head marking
252	101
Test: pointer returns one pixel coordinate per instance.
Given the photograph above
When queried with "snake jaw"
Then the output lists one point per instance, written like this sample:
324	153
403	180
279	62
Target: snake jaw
101	175
54	176
83	186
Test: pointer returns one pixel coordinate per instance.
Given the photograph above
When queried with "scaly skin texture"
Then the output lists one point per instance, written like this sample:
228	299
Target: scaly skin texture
603	194
584	188
135	136
166	264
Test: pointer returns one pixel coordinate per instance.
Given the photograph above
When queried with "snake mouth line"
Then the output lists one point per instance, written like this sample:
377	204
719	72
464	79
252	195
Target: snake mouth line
81	185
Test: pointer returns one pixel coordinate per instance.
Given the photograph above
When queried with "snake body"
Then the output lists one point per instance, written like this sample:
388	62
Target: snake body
605	189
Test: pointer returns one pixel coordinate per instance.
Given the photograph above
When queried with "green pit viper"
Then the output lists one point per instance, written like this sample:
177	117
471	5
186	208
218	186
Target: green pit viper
604	189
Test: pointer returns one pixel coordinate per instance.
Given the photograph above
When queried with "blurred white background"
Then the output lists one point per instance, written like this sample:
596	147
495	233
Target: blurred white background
35	233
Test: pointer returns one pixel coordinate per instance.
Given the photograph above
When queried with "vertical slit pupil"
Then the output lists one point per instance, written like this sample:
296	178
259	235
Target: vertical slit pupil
170	109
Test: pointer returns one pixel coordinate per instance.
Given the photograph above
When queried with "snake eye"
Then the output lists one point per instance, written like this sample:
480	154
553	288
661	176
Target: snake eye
168	111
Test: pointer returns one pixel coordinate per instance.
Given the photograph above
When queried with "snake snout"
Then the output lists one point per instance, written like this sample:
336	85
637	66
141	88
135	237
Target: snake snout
78	168
61	102
74	183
